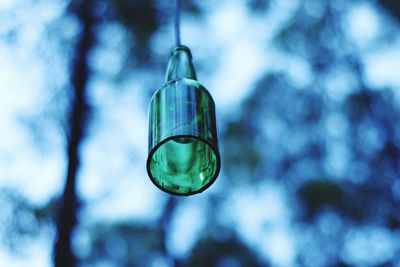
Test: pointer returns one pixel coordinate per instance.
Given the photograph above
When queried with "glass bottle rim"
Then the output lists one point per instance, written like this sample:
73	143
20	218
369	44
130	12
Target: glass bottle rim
207	142
182	48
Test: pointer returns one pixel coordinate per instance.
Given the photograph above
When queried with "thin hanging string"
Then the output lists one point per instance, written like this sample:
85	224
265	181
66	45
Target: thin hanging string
177	22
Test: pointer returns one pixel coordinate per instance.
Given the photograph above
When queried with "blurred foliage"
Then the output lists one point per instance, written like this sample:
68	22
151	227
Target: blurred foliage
228	252
141	18
259	5
124	244
392	7
337	157
21	221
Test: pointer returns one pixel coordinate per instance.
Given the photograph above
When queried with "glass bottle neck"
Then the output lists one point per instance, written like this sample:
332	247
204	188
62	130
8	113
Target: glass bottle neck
180	64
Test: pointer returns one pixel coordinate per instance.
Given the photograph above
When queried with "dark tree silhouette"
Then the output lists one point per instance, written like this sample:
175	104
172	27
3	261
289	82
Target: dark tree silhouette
63	254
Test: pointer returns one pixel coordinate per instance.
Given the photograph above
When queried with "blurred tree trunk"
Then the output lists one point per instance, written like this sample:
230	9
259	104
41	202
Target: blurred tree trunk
66	220
165	222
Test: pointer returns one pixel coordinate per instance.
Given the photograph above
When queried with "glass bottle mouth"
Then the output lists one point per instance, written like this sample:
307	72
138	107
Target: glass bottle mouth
183	165
182	48
180	64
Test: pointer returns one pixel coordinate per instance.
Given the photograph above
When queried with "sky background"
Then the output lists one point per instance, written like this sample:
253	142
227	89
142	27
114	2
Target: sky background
232	48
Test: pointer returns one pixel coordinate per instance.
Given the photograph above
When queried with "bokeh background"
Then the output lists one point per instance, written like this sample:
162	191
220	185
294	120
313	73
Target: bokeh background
308	105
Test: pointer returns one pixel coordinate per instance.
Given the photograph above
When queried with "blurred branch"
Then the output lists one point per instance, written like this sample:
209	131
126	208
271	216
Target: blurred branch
165	222
393	7
80	75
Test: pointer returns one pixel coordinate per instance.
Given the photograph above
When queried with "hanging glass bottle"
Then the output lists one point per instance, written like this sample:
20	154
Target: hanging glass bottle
183	148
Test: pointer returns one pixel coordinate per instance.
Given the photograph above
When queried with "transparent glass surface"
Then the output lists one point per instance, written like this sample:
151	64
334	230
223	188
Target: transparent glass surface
183	148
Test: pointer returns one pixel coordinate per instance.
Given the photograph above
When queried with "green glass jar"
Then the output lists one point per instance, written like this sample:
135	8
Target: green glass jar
183	147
